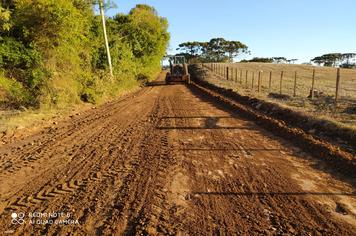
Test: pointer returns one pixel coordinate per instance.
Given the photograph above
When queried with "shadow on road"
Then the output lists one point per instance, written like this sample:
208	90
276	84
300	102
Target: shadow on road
197	117
273	193
231	149
202	128
156	83
317	163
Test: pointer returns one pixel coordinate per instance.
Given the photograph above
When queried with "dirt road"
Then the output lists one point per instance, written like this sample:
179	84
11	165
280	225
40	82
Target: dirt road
168	160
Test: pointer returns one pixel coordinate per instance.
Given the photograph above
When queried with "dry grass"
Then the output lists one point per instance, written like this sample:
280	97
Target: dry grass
15	120
12	120
325	78
325	81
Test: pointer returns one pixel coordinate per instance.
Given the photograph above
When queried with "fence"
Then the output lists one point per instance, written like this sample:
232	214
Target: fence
294	80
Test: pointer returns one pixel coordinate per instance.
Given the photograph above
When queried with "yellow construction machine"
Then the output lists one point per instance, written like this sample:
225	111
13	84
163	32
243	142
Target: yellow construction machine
178	70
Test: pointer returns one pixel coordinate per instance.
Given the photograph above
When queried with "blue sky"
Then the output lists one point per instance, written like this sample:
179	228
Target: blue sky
300	29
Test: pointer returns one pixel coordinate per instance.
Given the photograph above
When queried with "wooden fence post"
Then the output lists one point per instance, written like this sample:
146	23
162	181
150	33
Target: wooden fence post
270	82
338	77
281	83
235	74
253	80
240	76
313	83
227	73
259	81
295	85
246	78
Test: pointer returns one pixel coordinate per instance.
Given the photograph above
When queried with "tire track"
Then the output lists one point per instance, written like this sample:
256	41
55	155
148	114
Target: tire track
164	163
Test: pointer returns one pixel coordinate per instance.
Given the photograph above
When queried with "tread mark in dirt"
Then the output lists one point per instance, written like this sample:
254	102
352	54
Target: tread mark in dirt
63	188
50	193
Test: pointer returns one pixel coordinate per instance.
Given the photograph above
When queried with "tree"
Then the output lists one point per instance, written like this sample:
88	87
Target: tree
142	37
234	48
191	48
216	50
328	59
348	57
279	59
291	61
145	31
53	49
259	59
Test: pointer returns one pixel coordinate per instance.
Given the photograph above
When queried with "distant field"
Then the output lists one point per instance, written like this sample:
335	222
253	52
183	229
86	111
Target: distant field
325	78
325	82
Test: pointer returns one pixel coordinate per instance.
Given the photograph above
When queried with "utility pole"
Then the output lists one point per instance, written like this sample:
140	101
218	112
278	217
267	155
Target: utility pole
101	6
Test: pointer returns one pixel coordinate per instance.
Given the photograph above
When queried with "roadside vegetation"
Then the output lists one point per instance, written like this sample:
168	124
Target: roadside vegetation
52	53
53	58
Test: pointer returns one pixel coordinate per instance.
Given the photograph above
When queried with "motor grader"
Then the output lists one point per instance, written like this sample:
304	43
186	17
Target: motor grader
178	70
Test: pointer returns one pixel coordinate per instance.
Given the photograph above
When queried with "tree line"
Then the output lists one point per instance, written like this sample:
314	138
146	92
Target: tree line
215	50
52	51
277	60
222	50
344	60
333	59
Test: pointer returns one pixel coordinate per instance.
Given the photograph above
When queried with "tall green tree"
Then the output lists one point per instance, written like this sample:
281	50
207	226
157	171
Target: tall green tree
216	50
191	48
347	58
147	35
54	48
234	48
329	59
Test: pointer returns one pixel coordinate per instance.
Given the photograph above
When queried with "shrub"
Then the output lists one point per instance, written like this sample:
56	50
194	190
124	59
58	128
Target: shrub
15	94
14	54
53	51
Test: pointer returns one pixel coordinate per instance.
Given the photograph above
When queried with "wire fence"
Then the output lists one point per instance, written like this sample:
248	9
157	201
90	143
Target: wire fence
293	80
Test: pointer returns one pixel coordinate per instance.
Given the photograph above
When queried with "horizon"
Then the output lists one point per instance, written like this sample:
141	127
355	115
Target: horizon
296	30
